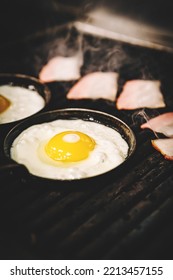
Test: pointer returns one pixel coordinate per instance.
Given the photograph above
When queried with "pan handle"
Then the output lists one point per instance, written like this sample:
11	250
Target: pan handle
11	168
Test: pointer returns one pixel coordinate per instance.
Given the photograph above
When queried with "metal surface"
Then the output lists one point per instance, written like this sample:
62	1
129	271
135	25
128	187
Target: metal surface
147	24
96	29
128	216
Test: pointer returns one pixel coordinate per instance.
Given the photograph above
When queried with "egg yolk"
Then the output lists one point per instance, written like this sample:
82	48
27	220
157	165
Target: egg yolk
69	146
4	104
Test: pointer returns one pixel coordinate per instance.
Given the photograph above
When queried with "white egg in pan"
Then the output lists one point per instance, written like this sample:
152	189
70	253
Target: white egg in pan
70	144
20	97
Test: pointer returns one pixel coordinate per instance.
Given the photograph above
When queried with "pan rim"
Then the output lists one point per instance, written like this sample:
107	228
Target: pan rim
26	123
44	92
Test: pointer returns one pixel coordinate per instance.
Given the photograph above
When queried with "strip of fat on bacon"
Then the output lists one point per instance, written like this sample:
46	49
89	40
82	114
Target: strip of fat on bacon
140	94
61	69
95	85
162	124
164	146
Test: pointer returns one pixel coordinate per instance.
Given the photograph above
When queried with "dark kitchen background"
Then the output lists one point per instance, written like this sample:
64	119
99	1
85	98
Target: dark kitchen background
129	216
21	18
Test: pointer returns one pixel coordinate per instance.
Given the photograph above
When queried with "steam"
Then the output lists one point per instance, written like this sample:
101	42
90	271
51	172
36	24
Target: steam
94	53
142	115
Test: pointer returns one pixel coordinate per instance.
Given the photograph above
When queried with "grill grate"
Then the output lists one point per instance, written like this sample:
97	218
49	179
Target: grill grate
128	216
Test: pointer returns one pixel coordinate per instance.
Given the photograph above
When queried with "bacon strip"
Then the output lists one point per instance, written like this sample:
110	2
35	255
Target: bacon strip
95	85
164	146
140	94
61	69
162	124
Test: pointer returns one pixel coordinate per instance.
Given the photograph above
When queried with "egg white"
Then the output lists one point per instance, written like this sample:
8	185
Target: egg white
24	102
28	149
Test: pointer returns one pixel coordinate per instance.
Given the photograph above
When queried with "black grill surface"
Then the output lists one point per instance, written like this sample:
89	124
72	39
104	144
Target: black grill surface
128	216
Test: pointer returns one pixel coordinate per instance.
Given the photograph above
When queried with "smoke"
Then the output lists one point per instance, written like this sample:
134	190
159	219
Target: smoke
96	53
140	116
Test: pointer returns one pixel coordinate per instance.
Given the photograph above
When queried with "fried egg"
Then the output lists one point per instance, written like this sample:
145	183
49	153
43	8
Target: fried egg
69	149
17	103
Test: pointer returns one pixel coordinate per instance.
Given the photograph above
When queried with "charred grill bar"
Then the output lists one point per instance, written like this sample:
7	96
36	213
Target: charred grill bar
126	217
